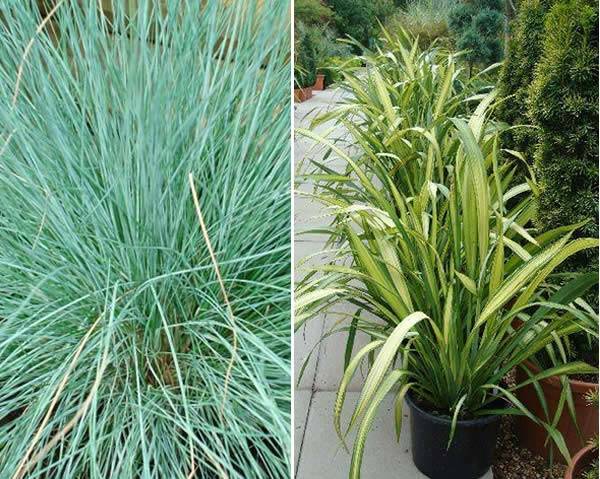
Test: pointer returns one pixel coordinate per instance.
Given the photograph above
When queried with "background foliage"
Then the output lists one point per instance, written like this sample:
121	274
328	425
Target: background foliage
427	19
360	19
478	26
564	106
524	51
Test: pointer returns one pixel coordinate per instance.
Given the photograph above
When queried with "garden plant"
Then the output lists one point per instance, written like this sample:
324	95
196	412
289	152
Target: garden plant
426	19
478	27
434	246
144	240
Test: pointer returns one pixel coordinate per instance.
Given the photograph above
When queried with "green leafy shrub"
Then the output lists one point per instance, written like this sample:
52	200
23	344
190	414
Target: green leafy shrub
478	28
312	38
460	17
334	66
524	51
326	45
123	353
315	41
305	63
312	12
359	18
564	106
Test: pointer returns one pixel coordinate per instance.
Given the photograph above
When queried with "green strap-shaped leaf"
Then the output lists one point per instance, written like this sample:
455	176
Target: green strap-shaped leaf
467	282
476	177
455	419
346	378
511	285
497	272
384	361
568	250
398	406
367	421
575	367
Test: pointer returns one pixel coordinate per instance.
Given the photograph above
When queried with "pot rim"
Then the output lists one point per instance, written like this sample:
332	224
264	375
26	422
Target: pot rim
577	457
577	386
479	421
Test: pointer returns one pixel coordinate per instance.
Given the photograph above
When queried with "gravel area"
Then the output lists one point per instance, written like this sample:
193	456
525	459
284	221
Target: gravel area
515	462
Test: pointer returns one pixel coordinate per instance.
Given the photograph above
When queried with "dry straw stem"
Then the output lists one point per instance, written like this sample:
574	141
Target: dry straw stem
222	286
38	30
24	465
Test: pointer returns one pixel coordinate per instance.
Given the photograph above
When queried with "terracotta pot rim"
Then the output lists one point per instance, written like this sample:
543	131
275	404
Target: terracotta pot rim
577	457
576	385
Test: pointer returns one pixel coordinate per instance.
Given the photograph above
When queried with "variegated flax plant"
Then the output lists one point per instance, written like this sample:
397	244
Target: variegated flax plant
433	247
144	239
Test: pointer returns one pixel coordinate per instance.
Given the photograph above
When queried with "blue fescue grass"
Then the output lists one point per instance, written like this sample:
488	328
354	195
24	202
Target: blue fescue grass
118	355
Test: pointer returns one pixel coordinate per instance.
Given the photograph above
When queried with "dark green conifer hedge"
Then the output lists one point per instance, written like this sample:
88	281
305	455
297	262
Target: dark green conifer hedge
524	51
563	103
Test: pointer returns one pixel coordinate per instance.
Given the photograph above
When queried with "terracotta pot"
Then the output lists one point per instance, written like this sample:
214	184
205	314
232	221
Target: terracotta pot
533	436
320	82
580	461
302	94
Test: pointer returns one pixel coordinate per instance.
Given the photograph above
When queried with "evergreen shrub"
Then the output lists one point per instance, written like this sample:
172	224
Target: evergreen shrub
563	104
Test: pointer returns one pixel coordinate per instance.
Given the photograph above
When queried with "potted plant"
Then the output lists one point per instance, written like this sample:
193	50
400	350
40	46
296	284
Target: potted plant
565	399
319	82
301	93
438	268
305	62
585	463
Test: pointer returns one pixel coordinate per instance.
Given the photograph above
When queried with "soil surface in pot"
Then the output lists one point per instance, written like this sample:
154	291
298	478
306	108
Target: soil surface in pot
514	462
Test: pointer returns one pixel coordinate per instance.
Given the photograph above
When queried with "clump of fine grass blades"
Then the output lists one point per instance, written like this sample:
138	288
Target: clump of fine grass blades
123	352
427	19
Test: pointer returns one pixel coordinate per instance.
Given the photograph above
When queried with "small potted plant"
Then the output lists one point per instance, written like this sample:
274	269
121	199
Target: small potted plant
439	270
585	463
301	93
319	82
304	65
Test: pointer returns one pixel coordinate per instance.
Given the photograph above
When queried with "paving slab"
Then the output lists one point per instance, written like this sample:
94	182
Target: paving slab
301	405
331	359
306	350
384	458
309	214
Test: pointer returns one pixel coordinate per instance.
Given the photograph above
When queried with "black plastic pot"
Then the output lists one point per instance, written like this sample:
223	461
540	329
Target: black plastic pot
470	454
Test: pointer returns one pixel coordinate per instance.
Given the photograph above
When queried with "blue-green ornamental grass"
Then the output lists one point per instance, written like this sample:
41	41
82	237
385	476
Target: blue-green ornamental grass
126	350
